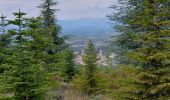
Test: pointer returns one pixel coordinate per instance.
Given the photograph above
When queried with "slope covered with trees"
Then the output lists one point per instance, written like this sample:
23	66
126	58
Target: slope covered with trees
33	55
144	44
36	63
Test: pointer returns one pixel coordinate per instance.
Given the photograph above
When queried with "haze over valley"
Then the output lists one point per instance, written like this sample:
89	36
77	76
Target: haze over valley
80	31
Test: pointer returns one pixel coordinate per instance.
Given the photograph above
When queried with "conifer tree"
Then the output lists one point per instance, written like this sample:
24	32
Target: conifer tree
4	38
56	58
2	24
128	39
149	21
26	78
5	50
48	15
41	40
70	69
48	12
90	59
5	53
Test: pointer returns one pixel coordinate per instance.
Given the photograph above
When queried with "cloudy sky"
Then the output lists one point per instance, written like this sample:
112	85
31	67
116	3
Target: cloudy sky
69	9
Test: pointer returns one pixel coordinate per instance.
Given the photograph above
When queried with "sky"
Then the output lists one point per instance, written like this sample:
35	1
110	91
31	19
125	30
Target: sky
69	9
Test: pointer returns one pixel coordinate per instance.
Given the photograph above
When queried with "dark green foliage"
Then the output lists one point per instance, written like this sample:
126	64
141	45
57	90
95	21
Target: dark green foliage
147	24
70	69
88	79
33	54
4	46
26	78
48	12
3	24
122	44
41	41
56	49
128	39
4	41
5	52
48	15
90	59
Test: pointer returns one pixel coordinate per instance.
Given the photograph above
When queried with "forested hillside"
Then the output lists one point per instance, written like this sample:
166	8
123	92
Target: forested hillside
129	62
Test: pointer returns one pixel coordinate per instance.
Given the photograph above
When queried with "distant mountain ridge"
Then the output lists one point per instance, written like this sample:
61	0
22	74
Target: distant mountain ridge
86	26
98	30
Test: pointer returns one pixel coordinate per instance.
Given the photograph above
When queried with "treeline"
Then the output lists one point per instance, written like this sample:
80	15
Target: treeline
34	58
144	44
33	55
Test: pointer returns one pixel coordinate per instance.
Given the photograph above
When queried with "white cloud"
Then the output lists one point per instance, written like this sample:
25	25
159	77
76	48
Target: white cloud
76	9
69	9
10	6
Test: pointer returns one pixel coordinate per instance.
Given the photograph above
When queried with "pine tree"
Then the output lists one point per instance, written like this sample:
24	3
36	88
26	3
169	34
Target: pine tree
5	54
56	57
48	12
3	24
5	50
90	59
128	39
149	21
48	15
26	78
70	69
41	41
4	38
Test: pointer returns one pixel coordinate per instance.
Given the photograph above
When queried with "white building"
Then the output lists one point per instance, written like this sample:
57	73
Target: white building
102	58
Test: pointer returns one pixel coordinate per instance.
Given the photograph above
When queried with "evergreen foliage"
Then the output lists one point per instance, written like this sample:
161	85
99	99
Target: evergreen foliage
5	53
25	78
33	54
90	59
48	12
3	23
55	59
4	42
147	21
70	69
48	15
34	58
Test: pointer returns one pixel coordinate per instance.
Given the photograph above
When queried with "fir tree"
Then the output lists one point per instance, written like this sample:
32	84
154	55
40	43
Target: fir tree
48	15
5	53
149	21
56	57
5	50
41	40
128	39
26	78
4	38
70	69
3	24
90	59
48	12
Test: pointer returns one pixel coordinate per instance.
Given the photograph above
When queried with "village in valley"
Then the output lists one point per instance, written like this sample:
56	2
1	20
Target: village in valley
104	60
88	50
